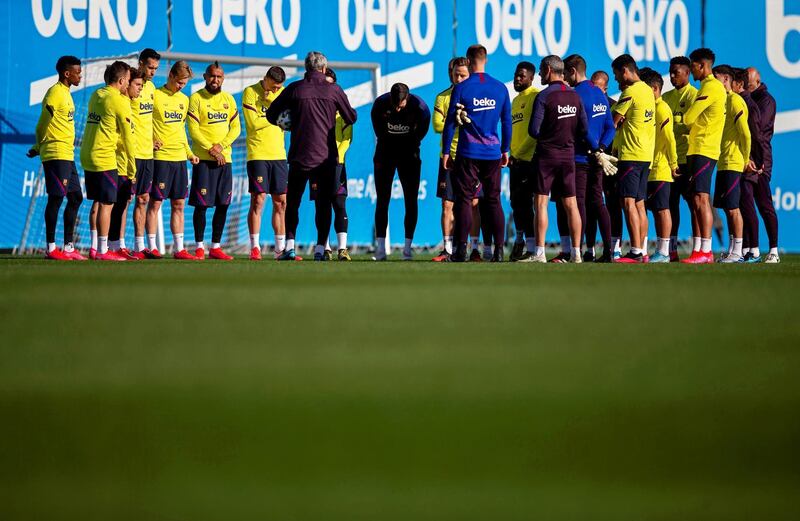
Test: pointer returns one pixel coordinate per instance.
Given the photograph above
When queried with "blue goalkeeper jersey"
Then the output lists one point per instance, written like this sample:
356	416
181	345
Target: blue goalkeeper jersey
487	103
601	122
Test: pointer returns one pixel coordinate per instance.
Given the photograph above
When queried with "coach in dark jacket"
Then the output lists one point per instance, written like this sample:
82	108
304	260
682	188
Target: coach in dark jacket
312	104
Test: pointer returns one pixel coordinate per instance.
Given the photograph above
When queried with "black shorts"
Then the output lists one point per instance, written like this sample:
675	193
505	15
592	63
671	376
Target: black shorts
680	184
320	180
212	184
340	184
61	177
700	170
125	188
144	176
268	176
521	178
632	179
556	175
658	195
101	187
170	180
444	186
727	190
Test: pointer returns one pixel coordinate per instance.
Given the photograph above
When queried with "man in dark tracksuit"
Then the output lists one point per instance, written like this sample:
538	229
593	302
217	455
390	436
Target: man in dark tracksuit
400	121
312	103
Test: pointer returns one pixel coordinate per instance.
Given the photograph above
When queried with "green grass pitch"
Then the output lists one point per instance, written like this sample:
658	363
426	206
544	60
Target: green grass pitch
398	391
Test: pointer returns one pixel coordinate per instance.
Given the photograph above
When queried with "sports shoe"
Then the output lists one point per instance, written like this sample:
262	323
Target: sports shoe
379	256
517	251
320	257
218	254
659	258
698	258
604	258
497	255
475	256
645	258
74	255
722	257
487	255
185	255
539	258
58	255
772	258
199	254
92	253
344	255
110	256
588	256
139	255
153	254
255	253
673	256
458	255
630	258
575	260
408	255
442	257
733	258
616	255
286	255
125	252
328	255
749	258
526	257
561	258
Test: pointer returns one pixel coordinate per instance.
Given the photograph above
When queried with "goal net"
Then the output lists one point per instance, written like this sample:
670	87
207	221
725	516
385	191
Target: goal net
359	80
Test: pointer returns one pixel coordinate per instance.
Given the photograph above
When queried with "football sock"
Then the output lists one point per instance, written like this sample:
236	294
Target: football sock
730	244
407	246
102	244
51	246
673	243
616	244
664	245
200	245
327	244
199	223
756	252
319	249
121	242
254	241
474	242
74	200
566	243
705	245
69	247
745	251
576	253
696	243
381	243
448	243
93	236
539	251
139	243
216	245
773	251
218	222
114	245
341	240
530	243
280	242
289	244
178	241
487	250
151	240
636	251
520	236
591	250
51	216
737	246
644	245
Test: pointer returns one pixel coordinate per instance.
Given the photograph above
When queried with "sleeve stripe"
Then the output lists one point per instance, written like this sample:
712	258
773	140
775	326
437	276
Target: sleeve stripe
739	115
250	107
623	100
235	115
437	109
194	117
701	98
664	124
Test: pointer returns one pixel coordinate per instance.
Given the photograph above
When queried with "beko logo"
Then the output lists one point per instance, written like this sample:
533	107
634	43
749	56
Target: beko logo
84	18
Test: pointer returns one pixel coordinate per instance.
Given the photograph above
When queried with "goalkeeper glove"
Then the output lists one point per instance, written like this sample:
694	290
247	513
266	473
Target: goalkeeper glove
461	115
607	162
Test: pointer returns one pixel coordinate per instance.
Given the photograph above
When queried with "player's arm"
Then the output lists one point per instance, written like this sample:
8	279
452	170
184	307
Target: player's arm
743	133
609	129
45	117
346	111
423	122
253	122
344	137
193	122
234	125
280	104
537	116
756	139
698	106
123	116
505	124
667	133
376	115
449	129
585	130
439	114
621	107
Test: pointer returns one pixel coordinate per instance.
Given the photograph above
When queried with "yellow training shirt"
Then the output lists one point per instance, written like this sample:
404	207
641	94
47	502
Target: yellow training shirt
265	141
735	149
637	133
679	101
440	107
706	118
522	144
142	116
666	154
213	119
344	136
55	131
108	122
122	155
169	120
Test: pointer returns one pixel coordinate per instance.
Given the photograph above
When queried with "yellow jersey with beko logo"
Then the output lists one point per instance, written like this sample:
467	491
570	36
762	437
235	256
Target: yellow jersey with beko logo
213	120
169	125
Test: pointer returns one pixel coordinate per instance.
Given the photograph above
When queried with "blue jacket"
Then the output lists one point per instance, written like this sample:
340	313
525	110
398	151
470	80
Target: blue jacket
601	121
487	104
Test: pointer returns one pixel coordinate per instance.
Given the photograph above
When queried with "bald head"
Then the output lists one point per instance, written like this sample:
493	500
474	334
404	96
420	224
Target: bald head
753	79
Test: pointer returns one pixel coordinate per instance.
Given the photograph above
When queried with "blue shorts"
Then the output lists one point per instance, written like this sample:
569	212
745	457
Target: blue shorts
144	176
727	190
102	187
125	188
268	176
700	170
61	177
658	195
170	180
632	179
340	186
444	186
212	184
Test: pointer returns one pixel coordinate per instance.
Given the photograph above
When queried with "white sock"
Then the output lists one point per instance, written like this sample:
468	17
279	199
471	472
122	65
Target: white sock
51	246
200	244
93	235
319	249
773	251
530	243
178	241
696	243
705	245
407	247
280	242
566	243
616	244
539	251
745	251
474	242
737	246
215	246
644	245
520	236
756	252
102	244
730	244
636	251
448	243
341	240
68	247
139	242
381	244
289	244
673	243
328	244
663	246
255	242
591	250
114	245
151	240
121	242
576	253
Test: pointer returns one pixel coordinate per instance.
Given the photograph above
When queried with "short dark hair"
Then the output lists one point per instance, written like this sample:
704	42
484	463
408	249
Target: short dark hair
740	75
148	54
528	66
598	74
727	70
624	61
136	74
680	60
398	93
115	71
575	61
330	73
476	52
702	54
277	74
65	62
651	77
460	61
212	66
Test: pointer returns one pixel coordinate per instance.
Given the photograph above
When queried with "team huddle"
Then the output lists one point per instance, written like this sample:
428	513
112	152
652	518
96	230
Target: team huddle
604	162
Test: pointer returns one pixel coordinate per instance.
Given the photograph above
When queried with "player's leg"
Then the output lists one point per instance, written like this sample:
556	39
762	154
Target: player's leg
144	184
581	182
74	200
321	181
444	191
464	179
676	194
200	198
763	197
177	198
222	179
339	204
278	187
597	212
611	193
543	184
117	212
628	188
257	188
658	202
56	192
296	185
490	176
644	225
727	196
477	228
518	209
384	177
102	187
409	172
163	179
701	169
747	207
567	182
